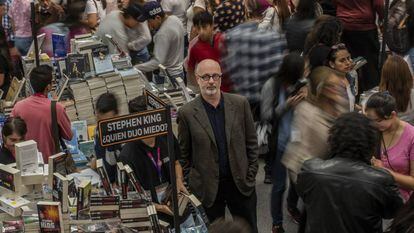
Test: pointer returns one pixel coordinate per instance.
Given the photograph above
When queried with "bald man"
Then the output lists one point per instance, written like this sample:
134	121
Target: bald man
217	136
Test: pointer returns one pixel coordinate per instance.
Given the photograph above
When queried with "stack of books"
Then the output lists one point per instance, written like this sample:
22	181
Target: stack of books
134	82
83	101
97	87
30	221
134	214
104	207
175	97
70	109
115	85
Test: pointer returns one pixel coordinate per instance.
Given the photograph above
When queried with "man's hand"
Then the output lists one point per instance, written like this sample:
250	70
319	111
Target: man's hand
295	100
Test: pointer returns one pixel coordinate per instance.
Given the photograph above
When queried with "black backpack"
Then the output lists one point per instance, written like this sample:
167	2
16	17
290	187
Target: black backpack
396	36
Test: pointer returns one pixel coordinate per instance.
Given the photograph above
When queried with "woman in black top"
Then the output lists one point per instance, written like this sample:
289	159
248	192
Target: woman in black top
14	131
5	63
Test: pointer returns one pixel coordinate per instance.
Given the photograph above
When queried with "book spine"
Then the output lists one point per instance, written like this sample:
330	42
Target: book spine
113	198
130	220
126	206
130	202
105	181
135	182
101	203
79	203
124	184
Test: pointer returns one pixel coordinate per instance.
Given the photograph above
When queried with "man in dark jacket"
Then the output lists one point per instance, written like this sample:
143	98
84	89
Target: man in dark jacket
345	193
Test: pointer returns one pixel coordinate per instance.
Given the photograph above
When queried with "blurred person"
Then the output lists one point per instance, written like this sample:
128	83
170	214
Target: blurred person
404	220
229	14
6	21
360	34
168	41
396	78
149	160
196	6
313	118
107	107
218	138
410	28
300	24
35	110
19	13
48	12
326	31
125	28
208	45
70	27
237	225
329	187
95	12
340	60
397	141
6	66
14	131
177	8
275	16
277	106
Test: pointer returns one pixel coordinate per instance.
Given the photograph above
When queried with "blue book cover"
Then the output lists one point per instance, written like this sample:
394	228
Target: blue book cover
72	145
59	45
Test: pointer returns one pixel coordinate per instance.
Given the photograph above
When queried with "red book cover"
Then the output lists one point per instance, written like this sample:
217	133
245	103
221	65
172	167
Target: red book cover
50	217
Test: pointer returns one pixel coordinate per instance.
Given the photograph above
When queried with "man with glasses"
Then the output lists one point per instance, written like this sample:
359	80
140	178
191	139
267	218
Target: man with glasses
217	136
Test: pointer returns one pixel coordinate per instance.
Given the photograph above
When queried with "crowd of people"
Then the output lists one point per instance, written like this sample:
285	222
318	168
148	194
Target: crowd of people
282	79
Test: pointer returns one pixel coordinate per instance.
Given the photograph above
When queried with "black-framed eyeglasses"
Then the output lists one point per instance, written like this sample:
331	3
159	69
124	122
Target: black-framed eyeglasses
206	77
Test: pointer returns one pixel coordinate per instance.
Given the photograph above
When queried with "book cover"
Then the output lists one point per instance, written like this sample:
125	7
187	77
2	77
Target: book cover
61	85
87	148
12	204
122	180
104	177
50	217
102	60
60	190
27	157
15	88
81	129
9	178
59	45
133	179
73	145
76	66
57	164
83	199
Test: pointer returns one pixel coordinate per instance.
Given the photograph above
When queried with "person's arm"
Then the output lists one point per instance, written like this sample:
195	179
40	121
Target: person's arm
2	77
63	122
379	7
143	39
251	143
161	47
405	181
91	11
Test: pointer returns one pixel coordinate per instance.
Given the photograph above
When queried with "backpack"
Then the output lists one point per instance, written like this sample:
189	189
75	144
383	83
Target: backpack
396	36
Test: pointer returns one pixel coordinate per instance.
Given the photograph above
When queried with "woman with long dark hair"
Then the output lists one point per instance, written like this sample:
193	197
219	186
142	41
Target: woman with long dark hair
278	100
275	17
397	144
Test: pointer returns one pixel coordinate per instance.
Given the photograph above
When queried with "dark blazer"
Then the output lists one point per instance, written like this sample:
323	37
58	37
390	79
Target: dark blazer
198	145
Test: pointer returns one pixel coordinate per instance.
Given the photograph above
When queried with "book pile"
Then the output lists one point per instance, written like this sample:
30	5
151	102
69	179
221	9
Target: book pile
97	87
135	214
10	226
134	82
115	85
83	102
104	207
70	109
175	97
30	220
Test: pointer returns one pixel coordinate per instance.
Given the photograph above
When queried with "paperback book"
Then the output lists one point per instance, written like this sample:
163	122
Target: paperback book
104	177
50	217
102	60
27	157
83	200
60	190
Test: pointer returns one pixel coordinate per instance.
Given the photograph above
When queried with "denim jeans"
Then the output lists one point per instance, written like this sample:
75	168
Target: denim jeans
279	185
23	44
139	56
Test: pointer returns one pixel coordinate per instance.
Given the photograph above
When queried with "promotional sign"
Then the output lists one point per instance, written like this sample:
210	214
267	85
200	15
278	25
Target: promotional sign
133	127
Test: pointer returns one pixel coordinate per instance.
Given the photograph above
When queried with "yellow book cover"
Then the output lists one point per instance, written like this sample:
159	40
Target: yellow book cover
91	132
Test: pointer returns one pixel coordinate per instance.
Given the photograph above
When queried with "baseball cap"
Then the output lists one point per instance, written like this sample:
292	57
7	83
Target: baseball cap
150	10
133	10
